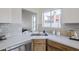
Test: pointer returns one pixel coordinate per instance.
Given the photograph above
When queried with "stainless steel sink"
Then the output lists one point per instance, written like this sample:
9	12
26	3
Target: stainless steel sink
39	34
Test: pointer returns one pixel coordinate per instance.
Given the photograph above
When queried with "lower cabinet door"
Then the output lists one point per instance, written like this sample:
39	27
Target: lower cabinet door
49	48
28	47
22	48
15	49
40	47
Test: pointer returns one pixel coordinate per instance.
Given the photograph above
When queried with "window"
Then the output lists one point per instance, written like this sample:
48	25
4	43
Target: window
52	18
33	22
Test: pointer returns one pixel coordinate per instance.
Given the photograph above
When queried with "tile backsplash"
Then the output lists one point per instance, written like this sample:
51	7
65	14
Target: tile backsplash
65	27
71	26
15	30
11	30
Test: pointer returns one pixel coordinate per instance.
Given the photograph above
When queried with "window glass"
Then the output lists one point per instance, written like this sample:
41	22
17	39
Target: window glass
52	18
33	23
47	19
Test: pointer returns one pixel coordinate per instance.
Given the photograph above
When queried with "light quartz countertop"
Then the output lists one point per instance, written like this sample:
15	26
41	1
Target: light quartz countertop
6	44
13	42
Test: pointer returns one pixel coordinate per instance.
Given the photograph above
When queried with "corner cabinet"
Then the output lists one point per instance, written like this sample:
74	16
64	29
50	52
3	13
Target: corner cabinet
55	46
10	15
70	15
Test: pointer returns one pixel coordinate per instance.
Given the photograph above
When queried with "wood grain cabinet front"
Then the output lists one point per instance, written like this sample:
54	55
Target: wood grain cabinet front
55	46
39	45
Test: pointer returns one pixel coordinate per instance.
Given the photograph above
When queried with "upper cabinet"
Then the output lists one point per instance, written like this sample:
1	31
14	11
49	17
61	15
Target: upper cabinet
16	15
10	15
5	15
70	15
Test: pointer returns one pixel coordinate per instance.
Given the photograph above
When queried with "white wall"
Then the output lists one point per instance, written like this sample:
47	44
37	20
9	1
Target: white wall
38	13
27	19
34	10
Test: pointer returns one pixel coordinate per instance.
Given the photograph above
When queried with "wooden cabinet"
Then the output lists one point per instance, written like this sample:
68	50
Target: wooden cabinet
10	15
55	46
48	45
39	45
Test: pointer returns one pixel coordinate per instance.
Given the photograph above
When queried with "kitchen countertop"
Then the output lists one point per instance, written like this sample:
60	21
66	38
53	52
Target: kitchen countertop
6	44
60	39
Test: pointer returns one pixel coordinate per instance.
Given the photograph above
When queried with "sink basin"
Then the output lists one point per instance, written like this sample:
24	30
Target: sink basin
39	34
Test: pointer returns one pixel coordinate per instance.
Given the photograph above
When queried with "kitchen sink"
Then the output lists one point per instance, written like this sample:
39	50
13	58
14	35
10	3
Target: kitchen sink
39	34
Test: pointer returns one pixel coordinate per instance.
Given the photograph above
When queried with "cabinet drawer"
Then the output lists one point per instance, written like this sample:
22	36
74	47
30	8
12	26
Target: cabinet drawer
39	41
